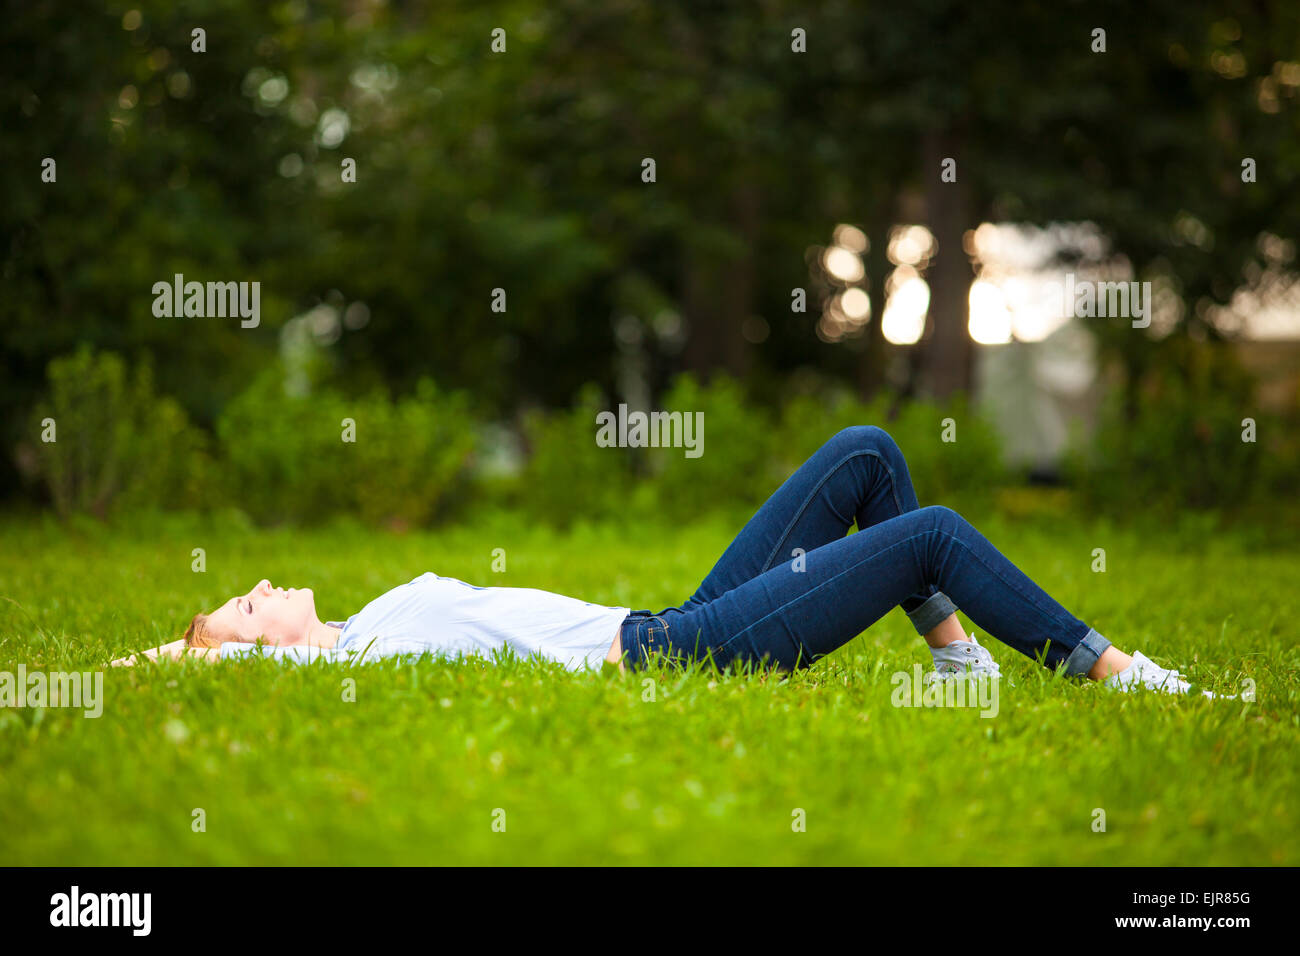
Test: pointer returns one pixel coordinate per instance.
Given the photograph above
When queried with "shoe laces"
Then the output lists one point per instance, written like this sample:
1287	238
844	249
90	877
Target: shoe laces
980	662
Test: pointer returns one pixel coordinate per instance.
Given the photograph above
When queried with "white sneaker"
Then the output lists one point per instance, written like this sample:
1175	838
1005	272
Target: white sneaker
963	657
1144	672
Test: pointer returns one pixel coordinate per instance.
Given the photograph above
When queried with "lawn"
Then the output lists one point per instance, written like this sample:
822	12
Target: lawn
445	762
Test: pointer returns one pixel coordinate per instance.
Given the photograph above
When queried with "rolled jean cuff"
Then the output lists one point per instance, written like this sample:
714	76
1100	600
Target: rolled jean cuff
934	611
1085	654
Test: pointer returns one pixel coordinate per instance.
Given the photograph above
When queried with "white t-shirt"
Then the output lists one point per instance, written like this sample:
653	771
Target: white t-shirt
433	614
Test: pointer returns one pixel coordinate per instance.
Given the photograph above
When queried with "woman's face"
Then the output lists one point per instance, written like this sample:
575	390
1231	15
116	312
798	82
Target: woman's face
272	615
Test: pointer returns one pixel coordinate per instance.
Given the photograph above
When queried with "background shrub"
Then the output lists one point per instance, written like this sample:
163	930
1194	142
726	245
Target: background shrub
961	474
568	477
747	452
735	472
284	454
282	458
1179	445
117	443
288	460
409	454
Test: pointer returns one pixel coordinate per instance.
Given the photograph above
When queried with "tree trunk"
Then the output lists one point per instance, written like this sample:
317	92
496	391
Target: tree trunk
718	293
871	366
947	351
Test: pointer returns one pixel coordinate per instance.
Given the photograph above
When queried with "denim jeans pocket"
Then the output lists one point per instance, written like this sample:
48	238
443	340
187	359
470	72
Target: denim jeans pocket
657	641
648	634
654	637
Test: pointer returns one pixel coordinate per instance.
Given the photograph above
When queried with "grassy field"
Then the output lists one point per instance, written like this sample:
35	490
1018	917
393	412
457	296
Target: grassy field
587	768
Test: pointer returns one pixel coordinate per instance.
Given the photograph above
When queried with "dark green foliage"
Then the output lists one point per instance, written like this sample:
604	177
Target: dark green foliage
568	476
116	443
737	469
411	461
1179	441
311	457
479	171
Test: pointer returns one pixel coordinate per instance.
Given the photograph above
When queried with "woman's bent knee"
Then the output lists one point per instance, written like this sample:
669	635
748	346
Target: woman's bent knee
941	518
867	438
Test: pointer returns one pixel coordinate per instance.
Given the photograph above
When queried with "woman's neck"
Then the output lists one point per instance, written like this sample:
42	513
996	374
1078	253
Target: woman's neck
319	634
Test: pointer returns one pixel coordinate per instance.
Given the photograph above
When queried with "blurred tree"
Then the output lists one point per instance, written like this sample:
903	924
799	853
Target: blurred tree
520	170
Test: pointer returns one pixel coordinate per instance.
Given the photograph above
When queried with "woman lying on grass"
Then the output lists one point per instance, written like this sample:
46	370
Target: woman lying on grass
790	589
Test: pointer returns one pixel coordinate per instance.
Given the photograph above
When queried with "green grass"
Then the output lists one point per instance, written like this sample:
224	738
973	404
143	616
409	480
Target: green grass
586	768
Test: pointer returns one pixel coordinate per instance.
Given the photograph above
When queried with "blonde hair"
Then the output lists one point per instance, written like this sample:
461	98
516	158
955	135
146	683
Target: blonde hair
199	635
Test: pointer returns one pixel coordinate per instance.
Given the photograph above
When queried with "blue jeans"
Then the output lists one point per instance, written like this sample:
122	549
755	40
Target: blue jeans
794	585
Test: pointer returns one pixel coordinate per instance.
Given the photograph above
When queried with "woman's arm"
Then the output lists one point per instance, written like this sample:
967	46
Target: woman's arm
174	650
299	653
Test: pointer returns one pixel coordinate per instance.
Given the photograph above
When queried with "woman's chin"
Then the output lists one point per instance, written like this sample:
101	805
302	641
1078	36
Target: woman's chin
306	599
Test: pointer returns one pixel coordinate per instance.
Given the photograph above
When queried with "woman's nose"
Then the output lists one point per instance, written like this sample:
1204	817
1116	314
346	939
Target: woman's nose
264	586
